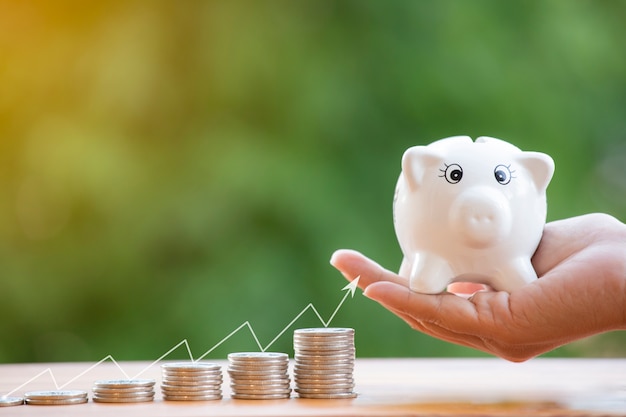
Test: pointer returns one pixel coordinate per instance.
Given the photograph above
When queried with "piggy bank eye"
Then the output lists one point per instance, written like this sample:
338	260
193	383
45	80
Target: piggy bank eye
503	174
453	173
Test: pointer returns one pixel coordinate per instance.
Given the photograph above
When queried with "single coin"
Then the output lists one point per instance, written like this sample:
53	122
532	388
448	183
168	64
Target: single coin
192	393
191	367
184	379
210	397
256	356
198	387
345	395
124	383
99	399
123	394
324	330
11	401
260	396
109	390
55	395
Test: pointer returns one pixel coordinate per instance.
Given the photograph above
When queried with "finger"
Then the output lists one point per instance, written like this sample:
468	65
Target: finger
438	309
465	288
353	264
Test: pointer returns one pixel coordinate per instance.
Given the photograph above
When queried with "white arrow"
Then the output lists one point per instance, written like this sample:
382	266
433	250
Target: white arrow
351	289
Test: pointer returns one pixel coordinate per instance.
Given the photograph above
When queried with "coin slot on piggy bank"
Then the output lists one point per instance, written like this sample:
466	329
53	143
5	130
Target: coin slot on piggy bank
468	211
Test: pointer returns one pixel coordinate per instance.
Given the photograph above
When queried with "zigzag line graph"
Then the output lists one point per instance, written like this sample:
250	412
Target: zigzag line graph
350	290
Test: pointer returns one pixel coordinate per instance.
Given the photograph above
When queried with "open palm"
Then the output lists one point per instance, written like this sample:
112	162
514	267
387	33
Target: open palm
581	263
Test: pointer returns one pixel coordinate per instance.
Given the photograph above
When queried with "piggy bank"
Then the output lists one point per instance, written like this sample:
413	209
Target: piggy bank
468	211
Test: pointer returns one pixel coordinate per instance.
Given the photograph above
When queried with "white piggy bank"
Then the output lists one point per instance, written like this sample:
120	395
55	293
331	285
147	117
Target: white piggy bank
470	212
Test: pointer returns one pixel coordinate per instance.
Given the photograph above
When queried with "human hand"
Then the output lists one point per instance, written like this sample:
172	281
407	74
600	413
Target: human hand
581	263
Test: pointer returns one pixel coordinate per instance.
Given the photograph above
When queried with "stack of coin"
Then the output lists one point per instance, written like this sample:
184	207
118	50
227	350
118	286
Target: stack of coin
123	391
191	381
259	375
56	397
324	362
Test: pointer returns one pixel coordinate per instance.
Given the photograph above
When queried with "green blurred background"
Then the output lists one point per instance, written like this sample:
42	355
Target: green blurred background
169	170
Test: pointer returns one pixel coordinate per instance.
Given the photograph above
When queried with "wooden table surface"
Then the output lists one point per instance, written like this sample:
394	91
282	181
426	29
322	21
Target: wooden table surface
386	387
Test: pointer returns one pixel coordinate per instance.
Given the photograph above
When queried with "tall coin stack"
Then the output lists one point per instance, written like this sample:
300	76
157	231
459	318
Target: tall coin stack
123	390
191	381
259	375
324	363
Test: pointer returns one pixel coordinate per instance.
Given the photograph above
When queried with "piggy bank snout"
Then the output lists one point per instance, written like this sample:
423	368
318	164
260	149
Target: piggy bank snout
481	216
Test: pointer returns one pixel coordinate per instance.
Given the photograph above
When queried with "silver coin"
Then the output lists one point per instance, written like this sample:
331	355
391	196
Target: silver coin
256	377
192	392
124	383
323	347
264	392
244	375
129	393
209	397
178	377
324	330
191	371
262	381
328	374
258	356
168	386
258	365
106	390
325	384
120	394
324	342
313	370
260	396
260	378
55	395
258	373
303	345
339	386
323	380
11	401
278	385
191	367
321	339
144	399
59	401
318	363
344	395
186	379
321	355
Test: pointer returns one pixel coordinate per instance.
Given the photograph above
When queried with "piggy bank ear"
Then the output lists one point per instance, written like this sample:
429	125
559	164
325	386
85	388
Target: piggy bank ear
540	167
416	161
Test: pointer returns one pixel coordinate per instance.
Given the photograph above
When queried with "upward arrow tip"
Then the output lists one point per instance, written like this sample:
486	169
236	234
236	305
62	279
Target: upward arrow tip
352	286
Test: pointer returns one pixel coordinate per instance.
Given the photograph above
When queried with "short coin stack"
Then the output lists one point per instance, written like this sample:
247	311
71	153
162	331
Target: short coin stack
56	397
324	363
123	390
191	381
259	375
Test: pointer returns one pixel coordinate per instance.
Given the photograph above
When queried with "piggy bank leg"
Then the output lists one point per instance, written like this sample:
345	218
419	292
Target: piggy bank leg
515	275
430	274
